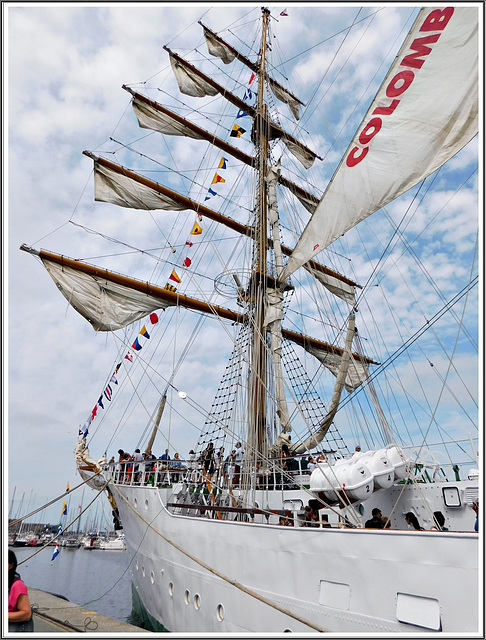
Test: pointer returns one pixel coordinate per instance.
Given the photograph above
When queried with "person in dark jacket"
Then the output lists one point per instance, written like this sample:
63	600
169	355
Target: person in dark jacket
377	521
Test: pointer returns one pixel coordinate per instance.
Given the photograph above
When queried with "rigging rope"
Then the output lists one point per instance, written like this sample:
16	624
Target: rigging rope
416	335
70	524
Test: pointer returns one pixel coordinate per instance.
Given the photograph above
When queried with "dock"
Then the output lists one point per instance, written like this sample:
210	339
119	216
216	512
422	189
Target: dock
53	614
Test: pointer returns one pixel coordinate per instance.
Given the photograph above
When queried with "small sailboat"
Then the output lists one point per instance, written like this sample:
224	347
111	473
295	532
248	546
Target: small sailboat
114	543
261	270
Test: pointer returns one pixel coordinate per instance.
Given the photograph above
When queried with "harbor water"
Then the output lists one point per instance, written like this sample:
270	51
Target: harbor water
95	579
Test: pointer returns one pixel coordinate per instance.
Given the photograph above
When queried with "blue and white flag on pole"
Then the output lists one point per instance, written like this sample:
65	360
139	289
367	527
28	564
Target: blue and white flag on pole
55	553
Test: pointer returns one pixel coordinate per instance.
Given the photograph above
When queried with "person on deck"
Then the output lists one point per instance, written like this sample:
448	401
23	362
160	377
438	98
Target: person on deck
122	459
149	466
165	456
311	517
311	465
176	465
207	460
377	521
137	468
192	466
412	521
239	457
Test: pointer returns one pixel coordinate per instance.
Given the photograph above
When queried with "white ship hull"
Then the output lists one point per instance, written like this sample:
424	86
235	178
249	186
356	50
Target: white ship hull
338	580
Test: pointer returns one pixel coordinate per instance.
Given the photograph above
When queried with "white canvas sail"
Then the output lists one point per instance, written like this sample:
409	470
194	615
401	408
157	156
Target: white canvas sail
106	305
356	374
338	287
190	83
150	118
125	192
218	49
404	137
281	94
304	156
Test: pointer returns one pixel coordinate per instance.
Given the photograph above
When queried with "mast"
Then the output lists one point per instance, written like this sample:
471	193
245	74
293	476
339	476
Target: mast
258	374
157	420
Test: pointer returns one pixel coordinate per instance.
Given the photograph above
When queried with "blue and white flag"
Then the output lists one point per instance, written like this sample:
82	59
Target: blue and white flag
55	553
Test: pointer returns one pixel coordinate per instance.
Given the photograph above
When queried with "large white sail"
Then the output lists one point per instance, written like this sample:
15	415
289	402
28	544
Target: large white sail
190	83
106	305
123	191
151	118
404	136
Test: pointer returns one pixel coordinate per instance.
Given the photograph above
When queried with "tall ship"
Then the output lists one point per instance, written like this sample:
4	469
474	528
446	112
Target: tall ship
284	365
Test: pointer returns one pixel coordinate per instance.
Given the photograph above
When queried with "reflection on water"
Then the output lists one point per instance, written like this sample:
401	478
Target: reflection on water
96	579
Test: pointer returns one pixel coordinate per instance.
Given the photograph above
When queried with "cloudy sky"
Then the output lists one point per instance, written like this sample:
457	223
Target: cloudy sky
64	66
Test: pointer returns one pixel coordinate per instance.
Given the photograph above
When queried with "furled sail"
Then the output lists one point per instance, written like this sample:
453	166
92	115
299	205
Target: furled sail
121	190
284	96
357	371
106	305
338	287
116	184
218	48
404	137
152	115
150	118
189	83
305	157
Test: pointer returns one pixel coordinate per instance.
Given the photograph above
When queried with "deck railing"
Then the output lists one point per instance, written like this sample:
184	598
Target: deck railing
281	473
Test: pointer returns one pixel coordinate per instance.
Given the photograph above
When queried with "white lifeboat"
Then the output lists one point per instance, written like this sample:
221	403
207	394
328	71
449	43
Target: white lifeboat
381	467
398	460
354	479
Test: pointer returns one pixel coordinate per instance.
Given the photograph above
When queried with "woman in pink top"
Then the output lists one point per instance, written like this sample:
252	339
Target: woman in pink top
19	611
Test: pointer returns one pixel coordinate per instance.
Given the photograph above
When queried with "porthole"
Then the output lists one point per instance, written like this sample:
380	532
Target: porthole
146	505
197	602
152	577
171	588
135	502
143	571
220	612
136	565
187	597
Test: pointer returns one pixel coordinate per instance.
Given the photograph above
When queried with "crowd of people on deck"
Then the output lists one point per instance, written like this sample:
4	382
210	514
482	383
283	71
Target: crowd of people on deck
211	466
